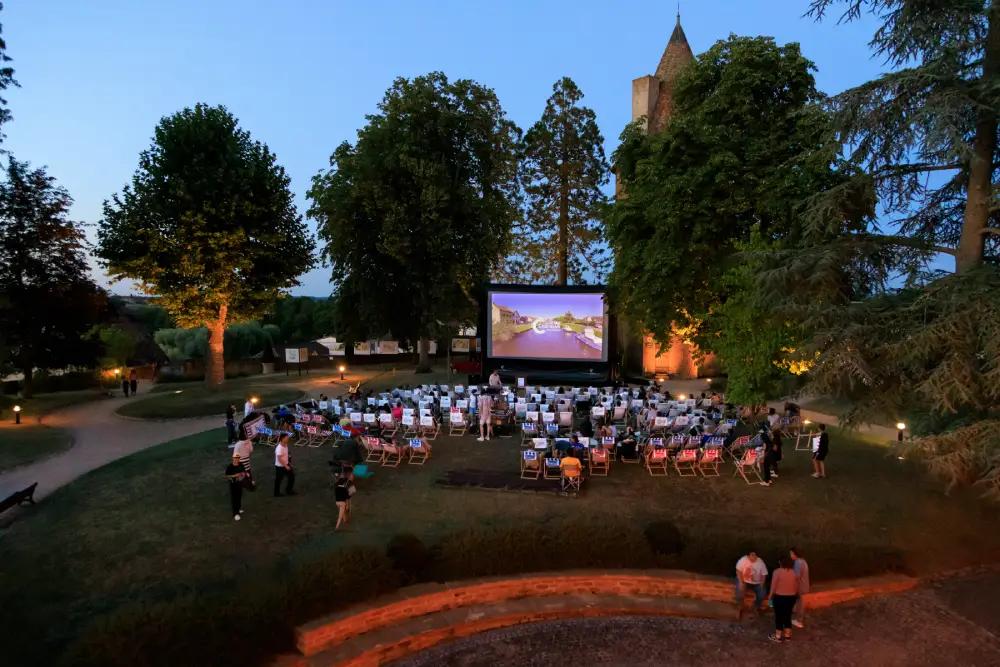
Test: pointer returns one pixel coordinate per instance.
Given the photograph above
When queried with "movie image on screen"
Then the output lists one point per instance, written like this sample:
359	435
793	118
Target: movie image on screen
538	325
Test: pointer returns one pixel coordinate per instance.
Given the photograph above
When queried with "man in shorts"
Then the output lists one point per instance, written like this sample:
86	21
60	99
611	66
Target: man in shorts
484	405
820	451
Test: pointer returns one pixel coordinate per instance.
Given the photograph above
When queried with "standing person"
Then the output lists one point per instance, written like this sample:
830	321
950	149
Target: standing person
773	419
241	453
238	478
770	456
342	494
784	592
801	569
231	424
819	453
484	405
495	378
125	385
248	407
133	381
750	575
283	468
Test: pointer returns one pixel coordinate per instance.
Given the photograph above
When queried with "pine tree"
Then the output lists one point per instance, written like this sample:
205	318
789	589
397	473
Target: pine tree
564	168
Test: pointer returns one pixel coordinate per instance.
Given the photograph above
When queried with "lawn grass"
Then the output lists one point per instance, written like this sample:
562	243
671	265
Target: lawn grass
30	441
197	402
837	407
156	525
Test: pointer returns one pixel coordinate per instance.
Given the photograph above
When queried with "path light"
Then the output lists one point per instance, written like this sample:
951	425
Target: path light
254	399
178	391
17	414
682	397
342	369
117	371
900	427
806	422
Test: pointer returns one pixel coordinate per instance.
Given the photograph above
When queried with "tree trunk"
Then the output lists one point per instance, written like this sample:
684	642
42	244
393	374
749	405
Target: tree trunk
215	363
563	224
977	203
424	349
28	372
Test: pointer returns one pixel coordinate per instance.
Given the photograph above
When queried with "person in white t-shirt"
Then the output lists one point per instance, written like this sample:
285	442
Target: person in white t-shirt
248	407
283	468
751	573
495	379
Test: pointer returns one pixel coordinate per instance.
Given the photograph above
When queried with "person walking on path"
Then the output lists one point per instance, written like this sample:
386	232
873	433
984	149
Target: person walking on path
133	381
241	453
784	593
750	575
125	385
283	468
231	424
801	569
820	450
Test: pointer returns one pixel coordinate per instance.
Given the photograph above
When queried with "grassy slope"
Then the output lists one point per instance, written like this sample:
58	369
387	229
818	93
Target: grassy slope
157	524
30	441
197	402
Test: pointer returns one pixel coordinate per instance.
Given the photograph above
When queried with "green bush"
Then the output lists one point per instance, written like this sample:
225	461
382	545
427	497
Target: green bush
47	383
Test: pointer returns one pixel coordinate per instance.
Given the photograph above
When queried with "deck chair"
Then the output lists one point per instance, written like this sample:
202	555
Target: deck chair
409	426
552	469
608	444
373	448
457	424
388	424
429	428
552	430
418	453
659	425
565	422
656	461
739	446
529	431
598	461
804	439
392	454
708	464
530	468
747	467
357	420
686	463
300	435
570	482
619	416
313	439
266	436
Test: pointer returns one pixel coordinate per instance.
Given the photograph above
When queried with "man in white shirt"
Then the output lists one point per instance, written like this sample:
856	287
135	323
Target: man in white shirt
248	407
495	379
750	575
241	454
283	468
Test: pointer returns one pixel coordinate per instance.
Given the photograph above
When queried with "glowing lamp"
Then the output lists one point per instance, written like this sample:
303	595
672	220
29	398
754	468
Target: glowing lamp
682	397
899	433
806	422
117	371
901	426
17	414
342	369
178	391
254	399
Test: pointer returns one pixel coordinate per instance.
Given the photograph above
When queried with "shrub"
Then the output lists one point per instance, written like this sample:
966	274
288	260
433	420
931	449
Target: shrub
664	538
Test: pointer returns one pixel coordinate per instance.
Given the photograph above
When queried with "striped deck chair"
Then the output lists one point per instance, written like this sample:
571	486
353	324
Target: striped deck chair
392	454
686	463
312	436
598	461
388	424
457	424
717	442
267	436
373	447
656	461
552	430
530	468
429	428
552	469
529	431
418	452
708	464
340	434
739	446
748	466
608	443
300	434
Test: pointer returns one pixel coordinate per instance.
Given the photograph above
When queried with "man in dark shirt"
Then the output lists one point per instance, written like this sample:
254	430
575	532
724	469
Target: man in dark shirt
820	452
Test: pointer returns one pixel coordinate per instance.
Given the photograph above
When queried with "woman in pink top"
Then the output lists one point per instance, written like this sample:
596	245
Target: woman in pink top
784	591
397	412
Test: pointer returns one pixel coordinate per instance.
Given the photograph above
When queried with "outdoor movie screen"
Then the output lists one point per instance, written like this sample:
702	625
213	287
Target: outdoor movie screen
547	325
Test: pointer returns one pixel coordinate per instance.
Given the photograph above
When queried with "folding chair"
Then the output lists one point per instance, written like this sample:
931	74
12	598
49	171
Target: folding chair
529	431
324	436
571	478
708	464
598	461
418	453
552	469
300	434
659	425
608	443
268	436
357	420
656	461
392	454
739	446
747	466
373	447
565	422
552	430
457	424
313	440
619	416
529	464
388	424
803	441
686	463
429	428
409	426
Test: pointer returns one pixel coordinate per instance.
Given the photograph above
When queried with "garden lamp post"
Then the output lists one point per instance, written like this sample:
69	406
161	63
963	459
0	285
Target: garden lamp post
900	427
17	414
342	369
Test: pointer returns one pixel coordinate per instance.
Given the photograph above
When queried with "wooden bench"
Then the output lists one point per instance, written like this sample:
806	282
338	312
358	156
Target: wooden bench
18	498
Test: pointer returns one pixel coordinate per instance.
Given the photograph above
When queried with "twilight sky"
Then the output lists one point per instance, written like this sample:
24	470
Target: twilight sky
301	74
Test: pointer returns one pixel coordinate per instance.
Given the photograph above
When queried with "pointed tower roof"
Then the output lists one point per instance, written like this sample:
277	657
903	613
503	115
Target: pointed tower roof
677	54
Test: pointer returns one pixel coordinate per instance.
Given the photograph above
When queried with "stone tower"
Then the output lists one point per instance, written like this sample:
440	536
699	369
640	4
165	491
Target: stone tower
653	95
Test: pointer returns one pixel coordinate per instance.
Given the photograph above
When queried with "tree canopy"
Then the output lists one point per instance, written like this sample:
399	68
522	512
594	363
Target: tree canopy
208	223
6	81
561	239
301	318
746	145
48	299
417	214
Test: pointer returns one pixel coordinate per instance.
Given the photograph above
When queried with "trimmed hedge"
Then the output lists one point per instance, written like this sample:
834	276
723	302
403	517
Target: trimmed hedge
256	621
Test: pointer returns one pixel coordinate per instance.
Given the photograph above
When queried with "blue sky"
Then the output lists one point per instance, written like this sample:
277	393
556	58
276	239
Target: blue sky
301	74
551	305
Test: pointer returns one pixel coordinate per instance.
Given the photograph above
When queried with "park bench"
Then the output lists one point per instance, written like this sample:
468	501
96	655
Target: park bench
18	498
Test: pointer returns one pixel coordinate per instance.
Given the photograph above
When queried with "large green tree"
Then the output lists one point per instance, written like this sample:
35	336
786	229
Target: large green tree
746	144
47	299
923	140
418	212
209	225
561	239
302	318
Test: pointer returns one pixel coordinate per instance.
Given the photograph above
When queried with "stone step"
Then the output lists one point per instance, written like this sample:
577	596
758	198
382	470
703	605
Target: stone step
392	643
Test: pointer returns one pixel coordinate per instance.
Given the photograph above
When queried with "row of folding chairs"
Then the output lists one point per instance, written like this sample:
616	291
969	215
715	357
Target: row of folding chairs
391	454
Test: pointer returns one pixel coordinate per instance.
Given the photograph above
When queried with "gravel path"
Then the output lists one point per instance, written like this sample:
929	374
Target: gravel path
929	626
